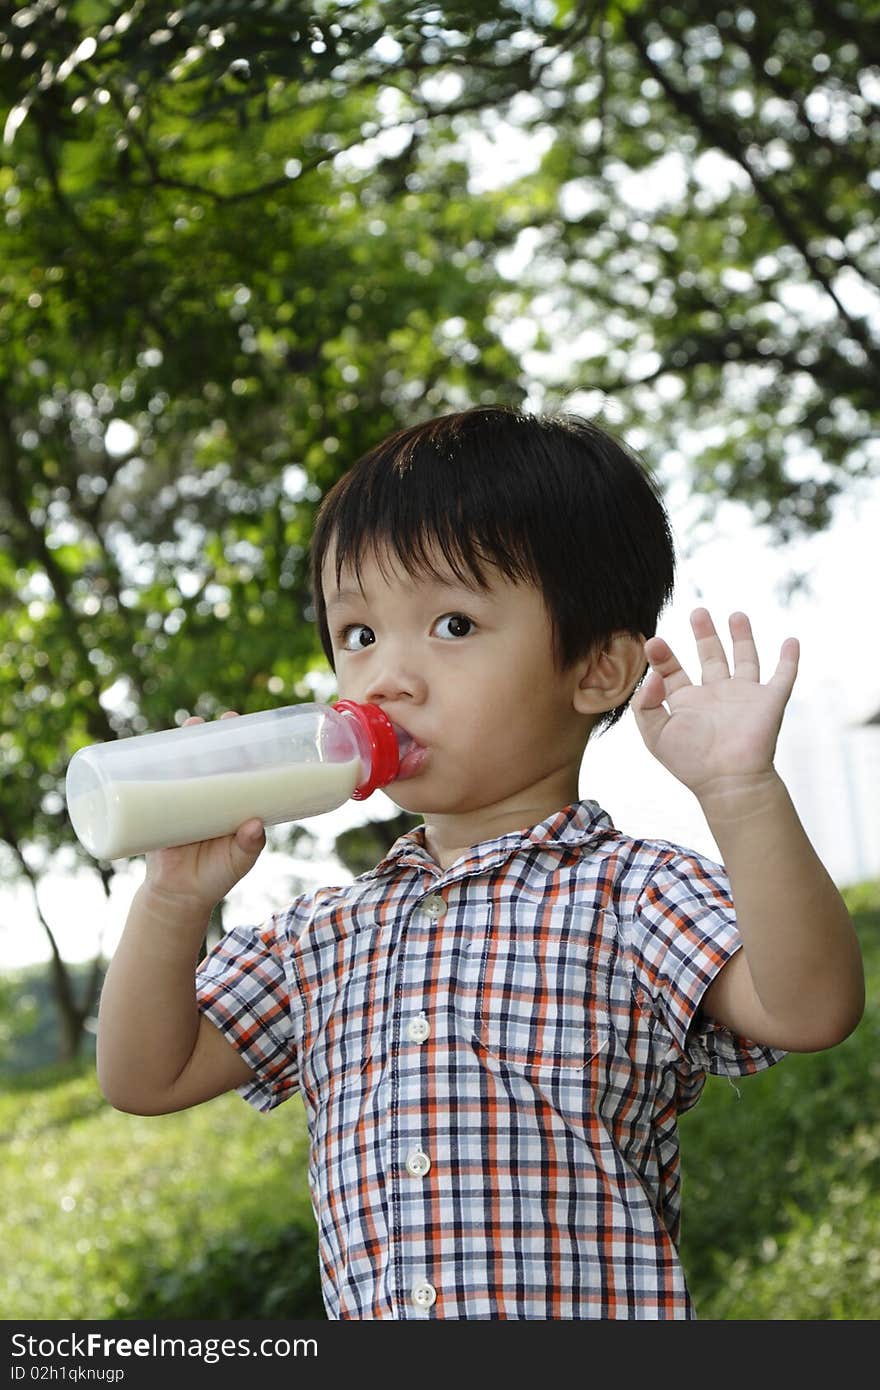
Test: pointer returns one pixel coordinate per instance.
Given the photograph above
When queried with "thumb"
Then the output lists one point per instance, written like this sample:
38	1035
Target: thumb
650	713
247	845
652	693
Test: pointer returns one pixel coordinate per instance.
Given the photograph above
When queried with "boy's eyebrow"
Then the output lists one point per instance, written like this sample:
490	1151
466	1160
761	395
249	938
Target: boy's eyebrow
340	596
433	582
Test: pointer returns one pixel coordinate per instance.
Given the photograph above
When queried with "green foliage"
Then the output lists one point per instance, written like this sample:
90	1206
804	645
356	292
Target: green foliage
361	847
18	1017
116	1216
206	1214
238	1276
781	1179
240	243
199	251
29	1022
705	203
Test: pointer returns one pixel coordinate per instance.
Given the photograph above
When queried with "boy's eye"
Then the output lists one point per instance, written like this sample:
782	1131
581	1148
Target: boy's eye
452	625
358	636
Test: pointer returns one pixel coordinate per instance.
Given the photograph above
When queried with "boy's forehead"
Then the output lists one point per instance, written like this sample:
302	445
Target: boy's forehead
379	564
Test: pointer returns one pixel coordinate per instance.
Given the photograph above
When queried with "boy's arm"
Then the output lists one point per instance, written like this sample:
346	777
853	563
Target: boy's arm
798	982
156	1052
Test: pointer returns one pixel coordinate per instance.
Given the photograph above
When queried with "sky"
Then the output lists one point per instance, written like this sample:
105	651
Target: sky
829	760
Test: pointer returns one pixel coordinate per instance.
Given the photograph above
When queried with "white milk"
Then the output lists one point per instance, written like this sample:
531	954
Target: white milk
132	817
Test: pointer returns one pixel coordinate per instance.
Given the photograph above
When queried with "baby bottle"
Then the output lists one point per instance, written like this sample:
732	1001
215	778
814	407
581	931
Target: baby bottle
201	780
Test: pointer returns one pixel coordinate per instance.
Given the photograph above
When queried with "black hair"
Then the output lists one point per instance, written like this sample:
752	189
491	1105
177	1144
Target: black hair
552	500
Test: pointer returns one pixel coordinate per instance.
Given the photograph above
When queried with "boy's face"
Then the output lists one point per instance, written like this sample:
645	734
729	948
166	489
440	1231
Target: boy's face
470	675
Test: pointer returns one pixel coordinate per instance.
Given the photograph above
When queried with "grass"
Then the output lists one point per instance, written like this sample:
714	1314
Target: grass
206	1214
200	1214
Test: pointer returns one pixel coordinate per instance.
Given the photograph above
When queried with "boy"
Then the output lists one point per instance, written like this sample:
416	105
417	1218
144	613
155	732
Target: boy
495	1030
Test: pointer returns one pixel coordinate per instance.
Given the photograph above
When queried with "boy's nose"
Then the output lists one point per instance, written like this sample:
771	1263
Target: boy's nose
395	679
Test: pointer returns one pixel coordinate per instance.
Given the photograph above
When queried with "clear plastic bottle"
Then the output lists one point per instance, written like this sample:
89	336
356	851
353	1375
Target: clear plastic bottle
193	783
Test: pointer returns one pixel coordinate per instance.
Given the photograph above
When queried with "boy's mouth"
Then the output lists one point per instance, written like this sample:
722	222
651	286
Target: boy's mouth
412	755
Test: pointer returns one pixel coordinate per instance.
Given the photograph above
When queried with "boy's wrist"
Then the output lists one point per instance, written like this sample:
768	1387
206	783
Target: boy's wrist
168	907
729	801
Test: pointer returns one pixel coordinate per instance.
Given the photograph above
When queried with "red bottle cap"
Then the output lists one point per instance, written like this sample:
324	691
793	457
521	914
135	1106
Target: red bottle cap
381	741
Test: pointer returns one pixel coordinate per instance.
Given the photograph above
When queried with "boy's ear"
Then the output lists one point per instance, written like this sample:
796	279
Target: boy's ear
606	679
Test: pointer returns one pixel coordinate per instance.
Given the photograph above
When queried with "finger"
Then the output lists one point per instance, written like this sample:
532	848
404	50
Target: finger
197	718
652	692
651	715
251	837
245	847
666	665
785	675
713	660
746	663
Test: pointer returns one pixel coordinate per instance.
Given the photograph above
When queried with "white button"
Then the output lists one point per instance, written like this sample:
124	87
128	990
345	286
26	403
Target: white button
434	906
424	1295
418	1029
418	1163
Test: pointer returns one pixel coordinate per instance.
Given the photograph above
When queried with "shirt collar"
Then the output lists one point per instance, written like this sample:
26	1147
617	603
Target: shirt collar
572	827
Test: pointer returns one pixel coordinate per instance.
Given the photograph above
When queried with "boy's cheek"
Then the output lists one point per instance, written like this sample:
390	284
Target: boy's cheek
347	689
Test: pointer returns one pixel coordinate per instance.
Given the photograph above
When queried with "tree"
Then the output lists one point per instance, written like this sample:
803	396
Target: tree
182	254
710	193
241	243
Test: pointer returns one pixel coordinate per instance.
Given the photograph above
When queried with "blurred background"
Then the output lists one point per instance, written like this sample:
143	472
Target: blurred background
239	245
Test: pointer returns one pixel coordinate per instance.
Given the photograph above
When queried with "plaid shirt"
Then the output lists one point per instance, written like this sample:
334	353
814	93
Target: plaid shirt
492	1060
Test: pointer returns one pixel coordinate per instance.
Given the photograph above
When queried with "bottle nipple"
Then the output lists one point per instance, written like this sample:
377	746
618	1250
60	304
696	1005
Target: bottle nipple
382	745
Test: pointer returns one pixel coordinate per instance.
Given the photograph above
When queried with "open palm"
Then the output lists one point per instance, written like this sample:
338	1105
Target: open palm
723	732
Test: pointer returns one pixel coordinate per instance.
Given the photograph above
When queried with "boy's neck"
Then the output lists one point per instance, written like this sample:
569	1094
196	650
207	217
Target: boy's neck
448	837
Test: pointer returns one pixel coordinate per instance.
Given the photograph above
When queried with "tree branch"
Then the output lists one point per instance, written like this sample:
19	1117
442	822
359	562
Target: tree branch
687	102
72	1013
98	724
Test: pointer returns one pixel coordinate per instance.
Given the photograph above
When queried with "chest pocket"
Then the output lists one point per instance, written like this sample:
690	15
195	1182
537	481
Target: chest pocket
542	996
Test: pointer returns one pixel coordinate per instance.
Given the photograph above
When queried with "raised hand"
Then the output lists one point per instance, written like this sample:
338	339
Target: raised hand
721	735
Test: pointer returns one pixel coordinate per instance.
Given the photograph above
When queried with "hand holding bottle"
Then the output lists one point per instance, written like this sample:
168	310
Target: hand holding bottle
204	872
156	1053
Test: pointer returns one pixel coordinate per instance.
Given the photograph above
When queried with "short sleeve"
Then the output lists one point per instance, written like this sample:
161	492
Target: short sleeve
242	988
685	932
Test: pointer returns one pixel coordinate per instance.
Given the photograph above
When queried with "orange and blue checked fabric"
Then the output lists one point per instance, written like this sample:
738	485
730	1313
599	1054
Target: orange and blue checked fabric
492	1060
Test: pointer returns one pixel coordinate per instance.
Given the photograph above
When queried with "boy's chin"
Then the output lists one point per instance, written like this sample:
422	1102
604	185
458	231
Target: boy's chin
421	801
416	796
405	798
